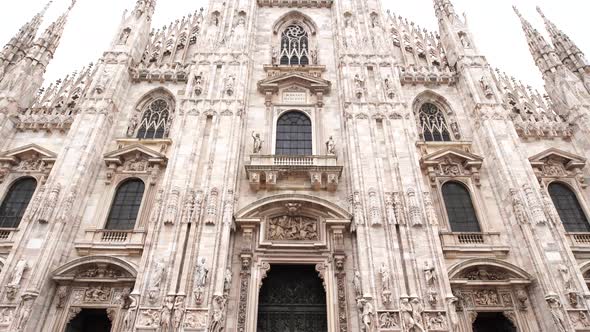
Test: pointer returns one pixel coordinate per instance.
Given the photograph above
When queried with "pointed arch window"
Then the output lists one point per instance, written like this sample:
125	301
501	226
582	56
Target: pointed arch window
294	46
460	209
155	121
294	134
16	202
125	207
569	209
433	125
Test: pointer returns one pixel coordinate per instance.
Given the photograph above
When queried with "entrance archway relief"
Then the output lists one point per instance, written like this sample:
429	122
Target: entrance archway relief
488	288
287	231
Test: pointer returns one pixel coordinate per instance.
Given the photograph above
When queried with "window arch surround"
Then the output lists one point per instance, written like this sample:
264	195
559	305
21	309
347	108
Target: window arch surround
569	207
126	205
294	134
460	208
435	119
14	204
294	37
153	115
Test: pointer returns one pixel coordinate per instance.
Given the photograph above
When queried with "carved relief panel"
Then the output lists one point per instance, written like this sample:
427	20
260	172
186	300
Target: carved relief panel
31	160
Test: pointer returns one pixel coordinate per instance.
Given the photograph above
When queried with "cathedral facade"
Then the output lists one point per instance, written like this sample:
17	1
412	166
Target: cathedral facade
293	165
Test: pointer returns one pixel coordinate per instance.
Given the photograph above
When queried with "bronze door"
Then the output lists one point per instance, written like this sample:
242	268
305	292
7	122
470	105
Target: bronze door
292	299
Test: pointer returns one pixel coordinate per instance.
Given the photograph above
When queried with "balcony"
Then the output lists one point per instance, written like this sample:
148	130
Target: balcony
579	244
7	239
459	244
293	172
102	241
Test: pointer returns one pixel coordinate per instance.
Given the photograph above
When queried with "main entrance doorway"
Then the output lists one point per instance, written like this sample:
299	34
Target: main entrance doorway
90	320
292	299
492	322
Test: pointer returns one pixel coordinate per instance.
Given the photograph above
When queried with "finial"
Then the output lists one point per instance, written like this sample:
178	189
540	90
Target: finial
540	12
46	7
517	12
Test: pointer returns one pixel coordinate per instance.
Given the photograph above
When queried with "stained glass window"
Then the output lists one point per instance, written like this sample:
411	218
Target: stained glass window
155	120
125	208
460	210
294	46
569	209
294	135
433	125
16	201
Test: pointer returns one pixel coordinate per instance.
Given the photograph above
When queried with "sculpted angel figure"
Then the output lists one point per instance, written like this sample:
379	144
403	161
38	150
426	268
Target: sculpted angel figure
331	146
200	280
356	282
257	146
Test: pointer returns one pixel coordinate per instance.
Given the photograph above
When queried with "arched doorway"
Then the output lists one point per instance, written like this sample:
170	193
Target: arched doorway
492	322
90	320
292	299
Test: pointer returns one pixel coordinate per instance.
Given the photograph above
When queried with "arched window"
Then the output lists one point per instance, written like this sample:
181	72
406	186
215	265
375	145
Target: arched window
433	124
570	211
294	46
155	120
125	208
16	201
460	210
294	134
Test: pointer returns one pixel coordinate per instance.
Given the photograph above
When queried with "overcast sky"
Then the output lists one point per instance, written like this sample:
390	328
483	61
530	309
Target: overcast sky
496	28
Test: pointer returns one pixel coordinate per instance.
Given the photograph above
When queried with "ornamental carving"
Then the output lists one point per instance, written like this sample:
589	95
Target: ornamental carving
435	321
580	319
97	294
292	228
388	320
244	287
486	297
452	163
557	164
195	319
6	316
341	289
27	160
149	318
136	160
485	274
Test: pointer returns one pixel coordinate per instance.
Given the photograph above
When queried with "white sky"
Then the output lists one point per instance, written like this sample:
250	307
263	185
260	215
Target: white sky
496	28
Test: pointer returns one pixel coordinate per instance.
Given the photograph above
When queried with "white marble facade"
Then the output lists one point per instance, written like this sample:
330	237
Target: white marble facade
221	203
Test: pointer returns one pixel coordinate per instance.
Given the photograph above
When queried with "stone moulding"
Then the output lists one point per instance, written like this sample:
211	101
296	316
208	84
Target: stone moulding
452	162
296	3
557	164
27	160
317	172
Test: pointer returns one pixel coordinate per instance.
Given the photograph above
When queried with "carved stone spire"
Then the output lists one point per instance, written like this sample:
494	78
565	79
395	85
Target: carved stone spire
543	53
52	36
445	8
567	91
19	87
144	7
454	32
18	45
568	52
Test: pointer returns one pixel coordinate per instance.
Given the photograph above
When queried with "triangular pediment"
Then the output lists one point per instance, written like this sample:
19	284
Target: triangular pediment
567	159
314	84
30	151
135	151
467	159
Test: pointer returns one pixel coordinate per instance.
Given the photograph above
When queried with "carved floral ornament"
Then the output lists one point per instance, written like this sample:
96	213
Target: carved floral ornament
135	160
557	164
452	163
27	160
